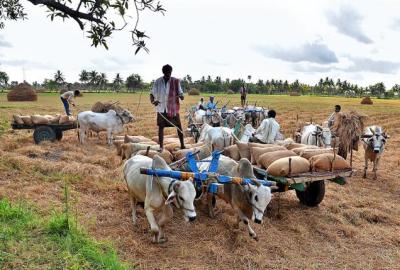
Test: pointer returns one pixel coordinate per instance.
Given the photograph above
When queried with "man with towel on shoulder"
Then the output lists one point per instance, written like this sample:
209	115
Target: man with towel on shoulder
165	95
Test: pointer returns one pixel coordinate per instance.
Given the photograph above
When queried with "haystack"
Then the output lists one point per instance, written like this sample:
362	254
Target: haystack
348	127
22	92
103	107
367	101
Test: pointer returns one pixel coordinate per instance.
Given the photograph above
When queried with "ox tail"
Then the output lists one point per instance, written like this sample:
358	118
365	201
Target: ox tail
77	127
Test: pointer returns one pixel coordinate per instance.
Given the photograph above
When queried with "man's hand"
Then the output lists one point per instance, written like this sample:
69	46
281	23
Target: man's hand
181	97
73	105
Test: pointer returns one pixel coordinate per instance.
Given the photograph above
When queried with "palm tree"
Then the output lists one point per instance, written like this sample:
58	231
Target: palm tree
59	77
103	80
117	82
84	76
92	78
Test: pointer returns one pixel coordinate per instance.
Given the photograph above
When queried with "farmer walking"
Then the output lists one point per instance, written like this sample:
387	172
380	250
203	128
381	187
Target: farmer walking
165	96
68	98
243	94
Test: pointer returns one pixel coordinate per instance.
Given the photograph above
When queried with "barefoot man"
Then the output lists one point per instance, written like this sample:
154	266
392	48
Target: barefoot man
165	95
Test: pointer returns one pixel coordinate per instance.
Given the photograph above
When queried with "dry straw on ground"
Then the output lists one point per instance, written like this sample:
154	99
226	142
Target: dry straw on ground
194	92
103	107
367	101
22	92
355	227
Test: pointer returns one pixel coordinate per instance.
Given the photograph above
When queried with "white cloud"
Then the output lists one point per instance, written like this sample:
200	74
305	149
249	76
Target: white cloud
348	22
4	43
314	52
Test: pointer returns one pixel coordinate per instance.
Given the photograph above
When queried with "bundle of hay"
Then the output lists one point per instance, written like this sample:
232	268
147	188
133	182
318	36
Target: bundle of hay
194	92
348	127
294	94
367	101
230	92
22	92
103	107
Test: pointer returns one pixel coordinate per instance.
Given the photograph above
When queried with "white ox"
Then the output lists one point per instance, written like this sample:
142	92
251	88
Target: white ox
247	133
111	122
216	137
157	193
374	145
316	135
250	201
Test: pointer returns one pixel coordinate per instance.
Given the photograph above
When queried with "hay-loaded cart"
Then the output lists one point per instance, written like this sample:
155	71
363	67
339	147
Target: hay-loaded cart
46	132
309	187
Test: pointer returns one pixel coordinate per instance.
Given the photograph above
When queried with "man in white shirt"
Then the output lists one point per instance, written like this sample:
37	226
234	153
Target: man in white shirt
268	131
68	98
165	95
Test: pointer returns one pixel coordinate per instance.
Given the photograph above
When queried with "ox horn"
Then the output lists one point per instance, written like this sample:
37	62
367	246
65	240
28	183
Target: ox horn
256	182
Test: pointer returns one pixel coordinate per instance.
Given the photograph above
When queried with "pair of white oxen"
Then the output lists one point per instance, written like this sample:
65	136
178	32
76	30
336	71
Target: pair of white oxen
250	114
158	193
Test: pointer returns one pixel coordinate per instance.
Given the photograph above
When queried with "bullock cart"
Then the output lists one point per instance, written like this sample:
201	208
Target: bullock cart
309	187
46	132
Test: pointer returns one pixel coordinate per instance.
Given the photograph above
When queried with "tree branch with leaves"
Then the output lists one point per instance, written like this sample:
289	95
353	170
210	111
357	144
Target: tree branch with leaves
96	17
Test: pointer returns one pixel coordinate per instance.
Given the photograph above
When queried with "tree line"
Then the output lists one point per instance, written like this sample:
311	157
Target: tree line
98	81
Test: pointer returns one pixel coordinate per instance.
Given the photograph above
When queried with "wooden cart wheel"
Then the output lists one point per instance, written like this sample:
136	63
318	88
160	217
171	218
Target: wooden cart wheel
44	133
313	194
59	134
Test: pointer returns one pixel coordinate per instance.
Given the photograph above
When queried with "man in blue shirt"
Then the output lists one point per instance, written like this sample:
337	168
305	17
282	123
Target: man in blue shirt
211	105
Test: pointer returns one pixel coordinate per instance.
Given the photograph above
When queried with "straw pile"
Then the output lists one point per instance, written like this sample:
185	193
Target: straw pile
348	127
103	107
367	101
22	92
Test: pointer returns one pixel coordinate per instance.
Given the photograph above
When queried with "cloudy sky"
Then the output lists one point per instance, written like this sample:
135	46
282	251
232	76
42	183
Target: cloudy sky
290	40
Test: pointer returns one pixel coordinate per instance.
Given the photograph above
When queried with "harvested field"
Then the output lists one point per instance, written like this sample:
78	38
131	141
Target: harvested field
355	227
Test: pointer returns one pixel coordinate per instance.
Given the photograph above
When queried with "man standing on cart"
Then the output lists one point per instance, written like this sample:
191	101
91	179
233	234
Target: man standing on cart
165	95
68	98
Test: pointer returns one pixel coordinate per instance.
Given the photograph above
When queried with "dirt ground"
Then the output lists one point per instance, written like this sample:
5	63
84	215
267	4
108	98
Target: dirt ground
357	226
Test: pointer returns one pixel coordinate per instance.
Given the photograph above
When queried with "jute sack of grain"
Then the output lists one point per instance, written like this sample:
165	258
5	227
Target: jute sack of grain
244	150
71	119
300	150
204	151
256	152
63	119
26	119
324	162
232	152
309	153
53	119
155	138
172	147
266	159
18	119
295	145
118	144
138	139
284	142
129	149
39	120
280	167
166	155
263	145
189	140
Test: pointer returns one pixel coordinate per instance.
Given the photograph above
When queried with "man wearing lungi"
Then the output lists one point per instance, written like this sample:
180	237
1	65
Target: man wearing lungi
165	95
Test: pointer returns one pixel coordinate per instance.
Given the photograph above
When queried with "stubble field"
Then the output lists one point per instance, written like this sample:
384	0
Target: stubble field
357	226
